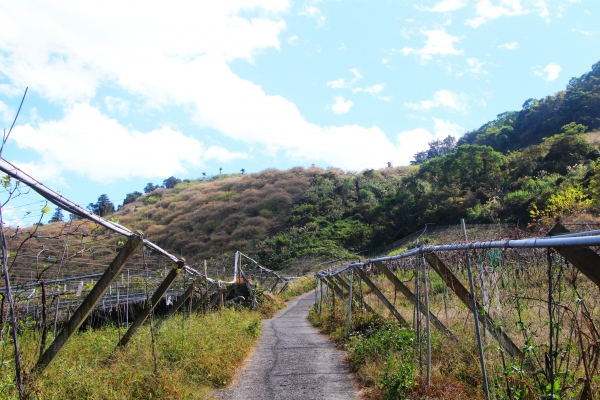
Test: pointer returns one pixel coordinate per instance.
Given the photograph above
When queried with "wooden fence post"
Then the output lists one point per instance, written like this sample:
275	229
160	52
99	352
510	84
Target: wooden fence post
385	301
91	300
583	258
186	295
463	294
346	286
204	298
158	294
411	297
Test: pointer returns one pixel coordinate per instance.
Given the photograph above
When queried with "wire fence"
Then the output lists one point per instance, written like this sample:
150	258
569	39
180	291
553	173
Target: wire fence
524	310
64	276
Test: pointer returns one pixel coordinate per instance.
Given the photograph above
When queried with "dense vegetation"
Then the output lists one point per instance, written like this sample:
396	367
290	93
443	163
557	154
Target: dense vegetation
579	103
533	165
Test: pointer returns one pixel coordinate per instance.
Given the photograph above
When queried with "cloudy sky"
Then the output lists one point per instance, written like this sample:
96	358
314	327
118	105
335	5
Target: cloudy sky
125	93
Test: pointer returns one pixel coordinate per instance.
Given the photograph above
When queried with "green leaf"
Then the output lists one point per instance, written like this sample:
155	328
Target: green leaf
46	209
6	181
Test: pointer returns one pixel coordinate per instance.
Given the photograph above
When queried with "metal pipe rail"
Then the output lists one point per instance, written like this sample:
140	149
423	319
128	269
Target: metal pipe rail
531	243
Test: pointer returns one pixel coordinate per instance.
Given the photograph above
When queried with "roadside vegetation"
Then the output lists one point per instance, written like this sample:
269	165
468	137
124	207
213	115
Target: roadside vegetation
193	355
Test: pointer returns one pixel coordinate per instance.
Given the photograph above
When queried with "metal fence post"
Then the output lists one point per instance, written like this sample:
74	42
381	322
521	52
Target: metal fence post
349	305
475	316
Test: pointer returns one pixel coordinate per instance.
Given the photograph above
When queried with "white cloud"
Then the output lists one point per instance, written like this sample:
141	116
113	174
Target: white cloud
89	143
337	84
6	114
357	75
293	40
586	33
313	12
509	46
222	154
550	72
445	6
442	98
375	89
342	84
487	11
415	140
340	106
115	103
174	54
475	67
411	142
446	128
542	10
439	42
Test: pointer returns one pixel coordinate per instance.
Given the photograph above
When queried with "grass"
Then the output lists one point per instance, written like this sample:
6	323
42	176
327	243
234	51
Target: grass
298	287
195	355
517	293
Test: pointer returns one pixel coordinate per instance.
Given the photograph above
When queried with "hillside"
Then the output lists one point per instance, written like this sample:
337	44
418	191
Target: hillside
513	130
530	166
298	215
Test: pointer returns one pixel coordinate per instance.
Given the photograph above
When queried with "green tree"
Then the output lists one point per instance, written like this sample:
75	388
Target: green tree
58	216
102	207
170	183
150	187
131	197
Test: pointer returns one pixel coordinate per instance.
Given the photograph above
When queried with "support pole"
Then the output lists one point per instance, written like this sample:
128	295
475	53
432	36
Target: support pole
83	311
380	295
427	327
476	312
158	294
345	285
463	294
411	297
350	299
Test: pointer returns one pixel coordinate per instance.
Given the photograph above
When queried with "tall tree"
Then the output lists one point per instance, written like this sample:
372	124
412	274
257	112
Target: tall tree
102	207
58	216
150	188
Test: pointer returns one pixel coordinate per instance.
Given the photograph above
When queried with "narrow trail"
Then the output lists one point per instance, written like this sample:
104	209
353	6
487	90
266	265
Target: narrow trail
292	361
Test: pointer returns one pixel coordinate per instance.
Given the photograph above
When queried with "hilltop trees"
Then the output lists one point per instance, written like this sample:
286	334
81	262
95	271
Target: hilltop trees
150	187
58	216
131	197
437	148
170	183
102	207
578	105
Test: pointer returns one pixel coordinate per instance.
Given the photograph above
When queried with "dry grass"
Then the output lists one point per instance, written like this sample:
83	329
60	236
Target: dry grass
195	355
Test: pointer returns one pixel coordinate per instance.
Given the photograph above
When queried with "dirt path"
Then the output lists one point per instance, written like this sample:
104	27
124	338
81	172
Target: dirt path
293	361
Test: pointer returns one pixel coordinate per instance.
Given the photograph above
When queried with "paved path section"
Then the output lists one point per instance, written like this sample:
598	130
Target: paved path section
293	361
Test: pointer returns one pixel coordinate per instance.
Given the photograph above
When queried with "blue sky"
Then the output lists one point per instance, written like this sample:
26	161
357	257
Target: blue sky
125	93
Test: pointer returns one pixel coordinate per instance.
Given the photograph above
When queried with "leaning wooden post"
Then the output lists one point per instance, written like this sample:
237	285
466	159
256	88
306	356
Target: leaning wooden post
92	299
186	295
204	298
411	297
583	258
346	286
380	295
158	294
463	294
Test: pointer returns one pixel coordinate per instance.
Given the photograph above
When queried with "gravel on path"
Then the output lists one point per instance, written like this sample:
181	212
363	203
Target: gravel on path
292	360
